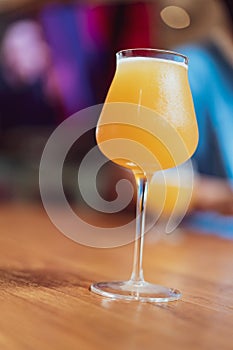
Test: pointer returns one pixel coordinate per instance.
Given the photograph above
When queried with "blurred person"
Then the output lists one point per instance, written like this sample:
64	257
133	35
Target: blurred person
28	106
211	77
26	88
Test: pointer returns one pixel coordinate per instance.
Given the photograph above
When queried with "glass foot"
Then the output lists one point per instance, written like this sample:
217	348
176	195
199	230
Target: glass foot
138	291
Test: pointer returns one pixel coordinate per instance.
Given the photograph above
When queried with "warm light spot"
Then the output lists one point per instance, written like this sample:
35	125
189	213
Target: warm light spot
175	17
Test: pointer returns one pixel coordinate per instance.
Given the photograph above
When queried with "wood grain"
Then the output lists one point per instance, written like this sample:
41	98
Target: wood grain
45	302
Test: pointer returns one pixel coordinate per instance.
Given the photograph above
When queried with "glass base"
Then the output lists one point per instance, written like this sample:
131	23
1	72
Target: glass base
138	291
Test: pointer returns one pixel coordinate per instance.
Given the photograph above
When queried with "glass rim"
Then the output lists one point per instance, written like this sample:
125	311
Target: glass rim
121	53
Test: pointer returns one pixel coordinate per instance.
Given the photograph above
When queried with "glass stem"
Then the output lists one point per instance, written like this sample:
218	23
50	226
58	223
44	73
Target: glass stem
142	188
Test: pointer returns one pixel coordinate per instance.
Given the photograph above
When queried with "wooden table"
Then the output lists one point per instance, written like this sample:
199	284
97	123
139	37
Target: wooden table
45	302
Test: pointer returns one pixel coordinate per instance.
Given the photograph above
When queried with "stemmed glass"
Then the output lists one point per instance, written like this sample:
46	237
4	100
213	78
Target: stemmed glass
147	124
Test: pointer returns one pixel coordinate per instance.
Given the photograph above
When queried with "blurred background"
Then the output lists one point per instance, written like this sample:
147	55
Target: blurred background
58	57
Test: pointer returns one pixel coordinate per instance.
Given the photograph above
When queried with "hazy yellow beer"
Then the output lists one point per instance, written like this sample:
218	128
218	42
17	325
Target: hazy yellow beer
147	124
160	115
